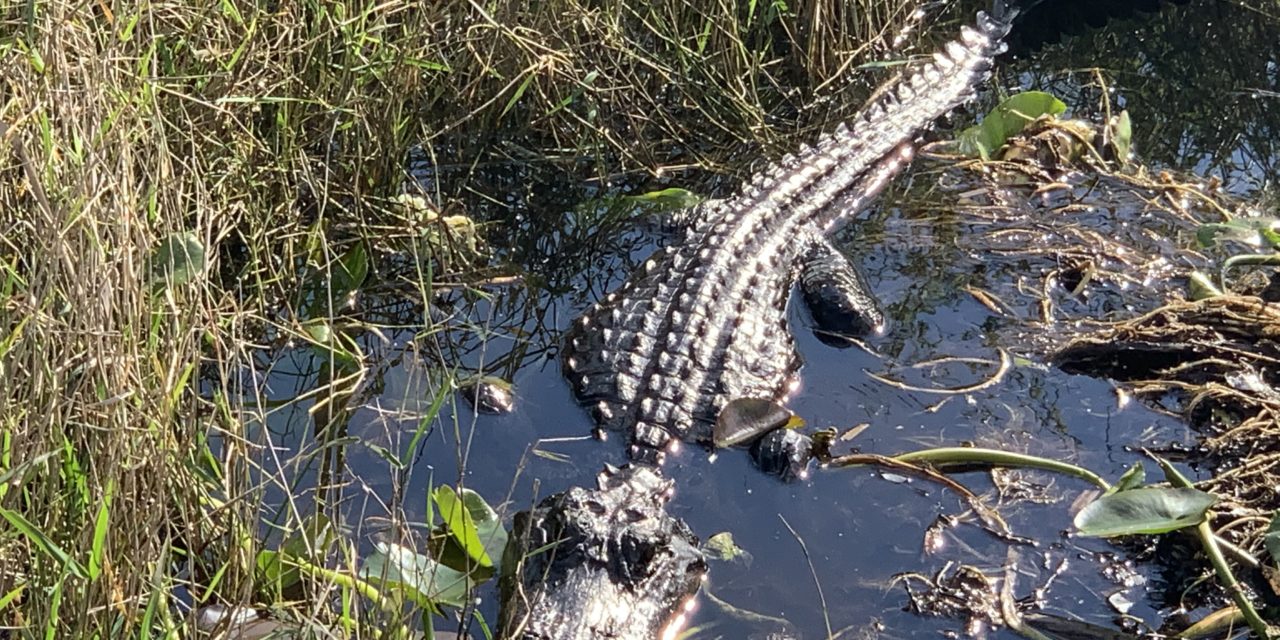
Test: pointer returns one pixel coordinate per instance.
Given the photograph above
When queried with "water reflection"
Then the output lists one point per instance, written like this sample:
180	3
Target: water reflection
1201	80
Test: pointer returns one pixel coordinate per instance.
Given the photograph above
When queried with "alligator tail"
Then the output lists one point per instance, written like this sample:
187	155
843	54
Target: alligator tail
909	104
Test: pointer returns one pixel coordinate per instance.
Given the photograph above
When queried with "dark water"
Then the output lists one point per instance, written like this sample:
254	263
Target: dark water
861	527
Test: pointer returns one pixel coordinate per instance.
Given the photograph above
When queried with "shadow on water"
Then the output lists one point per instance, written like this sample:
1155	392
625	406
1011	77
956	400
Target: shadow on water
1202	82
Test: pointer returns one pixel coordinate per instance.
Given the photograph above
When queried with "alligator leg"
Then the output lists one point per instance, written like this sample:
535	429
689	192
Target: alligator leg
837	293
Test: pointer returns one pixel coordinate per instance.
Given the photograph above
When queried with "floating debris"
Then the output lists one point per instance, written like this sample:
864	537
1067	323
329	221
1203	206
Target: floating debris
489	394
746	419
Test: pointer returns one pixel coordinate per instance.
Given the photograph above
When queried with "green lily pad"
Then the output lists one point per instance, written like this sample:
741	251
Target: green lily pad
329	289
1259	232
278	572
423	580
349	272
1008	119
462	527
177	260
1148	510
451	550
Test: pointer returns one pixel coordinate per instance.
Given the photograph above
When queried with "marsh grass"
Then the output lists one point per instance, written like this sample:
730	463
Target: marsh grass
133	461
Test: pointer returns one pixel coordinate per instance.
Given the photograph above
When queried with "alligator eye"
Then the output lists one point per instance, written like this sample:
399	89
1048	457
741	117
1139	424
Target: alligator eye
633	515
596	508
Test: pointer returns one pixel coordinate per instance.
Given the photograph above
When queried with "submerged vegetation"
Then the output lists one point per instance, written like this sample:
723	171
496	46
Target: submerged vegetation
190	195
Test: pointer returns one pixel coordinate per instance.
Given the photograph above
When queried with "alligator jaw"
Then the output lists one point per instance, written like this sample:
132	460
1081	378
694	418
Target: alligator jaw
704	322
602	563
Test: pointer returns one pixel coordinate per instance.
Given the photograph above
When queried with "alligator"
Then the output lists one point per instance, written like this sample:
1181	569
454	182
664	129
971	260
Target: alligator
703	322
604	563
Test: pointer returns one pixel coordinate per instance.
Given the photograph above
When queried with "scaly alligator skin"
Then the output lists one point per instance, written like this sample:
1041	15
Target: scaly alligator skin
608	563
704	322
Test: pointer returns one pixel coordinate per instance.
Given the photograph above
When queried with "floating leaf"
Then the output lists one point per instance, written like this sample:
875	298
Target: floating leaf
177	260
310	543
328	344
329	289
425	581
1147	510
1132	479
1008	119
488	525
722	546
1261	231
318	330
349	273
746	419
489	394
462	528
